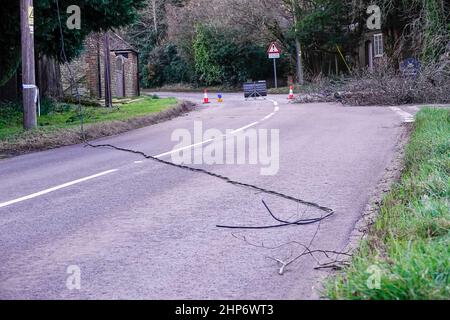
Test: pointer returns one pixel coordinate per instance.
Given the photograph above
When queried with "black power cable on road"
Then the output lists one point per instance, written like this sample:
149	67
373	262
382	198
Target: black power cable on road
329	212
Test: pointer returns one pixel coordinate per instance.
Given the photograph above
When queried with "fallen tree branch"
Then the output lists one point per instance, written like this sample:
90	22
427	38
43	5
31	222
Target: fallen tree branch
307	251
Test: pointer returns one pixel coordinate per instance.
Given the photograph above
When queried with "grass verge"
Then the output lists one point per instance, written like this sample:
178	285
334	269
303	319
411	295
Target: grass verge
60	123
64	115
407	251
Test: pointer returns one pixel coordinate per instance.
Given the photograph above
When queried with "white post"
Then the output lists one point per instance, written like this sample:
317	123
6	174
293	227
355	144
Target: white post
275	72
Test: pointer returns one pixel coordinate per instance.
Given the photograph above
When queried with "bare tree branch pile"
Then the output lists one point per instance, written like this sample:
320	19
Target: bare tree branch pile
386	85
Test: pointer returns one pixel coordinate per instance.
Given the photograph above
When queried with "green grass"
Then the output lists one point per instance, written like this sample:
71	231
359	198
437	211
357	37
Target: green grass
410	241
60	115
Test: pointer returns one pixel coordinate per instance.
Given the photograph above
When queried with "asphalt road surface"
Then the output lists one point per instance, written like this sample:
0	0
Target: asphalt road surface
138	229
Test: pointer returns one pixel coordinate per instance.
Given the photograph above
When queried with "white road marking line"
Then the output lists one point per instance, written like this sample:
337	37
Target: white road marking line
246	127
202	142
65	185
275	103
268	116
184	148
276	109
406	117
137	162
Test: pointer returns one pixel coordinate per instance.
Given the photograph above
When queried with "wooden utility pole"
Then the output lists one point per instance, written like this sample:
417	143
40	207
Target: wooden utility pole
28	72
108	97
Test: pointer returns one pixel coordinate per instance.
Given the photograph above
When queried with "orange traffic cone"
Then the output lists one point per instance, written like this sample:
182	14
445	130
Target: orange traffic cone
205	97
291	93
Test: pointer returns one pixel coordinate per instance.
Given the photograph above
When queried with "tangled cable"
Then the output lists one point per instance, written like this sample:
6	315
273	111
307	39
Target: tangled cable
299	222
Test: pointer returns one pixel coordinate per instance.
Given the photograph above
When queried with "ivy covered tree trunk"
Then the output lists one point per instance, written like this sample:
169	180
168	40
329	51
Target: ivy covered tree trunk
208	70
435	29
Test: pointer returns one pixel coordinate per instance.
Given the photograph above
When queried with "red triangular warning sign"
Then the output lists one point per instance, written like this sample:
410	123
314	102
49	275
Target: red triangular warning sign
273	48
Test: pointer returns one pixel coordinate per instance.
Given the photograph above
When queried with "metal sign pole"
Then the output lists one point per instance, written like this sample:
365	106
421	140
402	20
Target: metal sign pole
274	53
275	72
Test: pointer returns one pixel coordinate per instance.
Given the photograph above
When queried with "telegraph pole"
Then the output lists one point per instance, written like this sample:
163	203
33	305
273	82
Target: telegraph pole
29	91
298	49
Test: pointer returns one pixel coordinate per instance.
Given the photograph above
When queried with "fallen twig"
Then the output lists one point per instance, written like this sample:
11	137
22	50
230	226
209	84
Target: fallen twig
283	263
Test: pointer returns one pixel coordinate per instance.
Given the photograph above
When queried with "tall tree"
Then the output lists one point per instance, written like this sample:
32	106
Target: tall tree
149	31
96	15
425	26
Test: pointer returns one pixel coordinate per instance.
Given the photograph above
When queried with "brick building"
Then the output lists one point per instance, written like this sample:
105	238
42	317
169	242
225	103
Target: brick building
89	68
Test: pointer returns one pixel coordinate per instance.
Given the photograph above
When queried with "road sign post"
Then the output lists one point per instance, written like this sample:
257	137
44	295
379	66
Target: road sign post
275	72
274	53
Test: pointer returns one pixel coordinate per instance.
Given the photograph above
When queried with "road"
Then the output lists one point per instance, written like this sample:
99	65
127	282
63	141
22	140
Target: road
138	229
